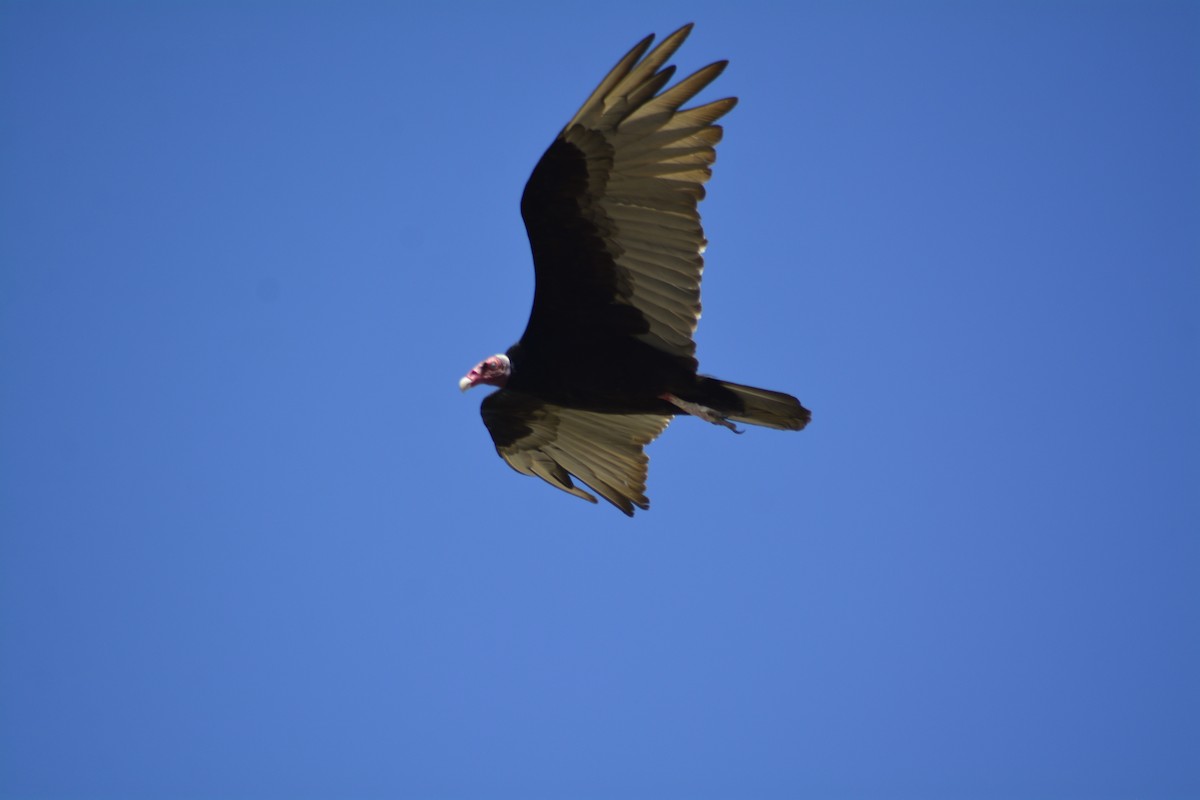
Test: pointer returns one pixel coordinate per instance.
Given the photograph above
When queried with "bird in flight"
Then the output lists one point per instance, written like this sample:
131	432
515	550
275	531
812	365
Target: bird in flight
607	358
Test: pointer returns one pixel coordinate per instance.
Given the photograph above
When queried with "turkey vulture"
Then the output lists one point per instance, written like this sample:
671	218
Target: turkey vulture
607	358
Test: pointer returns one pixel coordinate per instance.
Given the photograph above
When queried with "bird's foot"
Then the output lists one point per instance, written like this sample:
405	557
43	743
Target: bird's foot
696	410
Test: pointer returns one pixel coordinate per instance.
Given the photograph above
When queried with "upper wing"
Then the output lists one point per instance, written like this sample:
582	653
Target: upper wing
611	208
548	441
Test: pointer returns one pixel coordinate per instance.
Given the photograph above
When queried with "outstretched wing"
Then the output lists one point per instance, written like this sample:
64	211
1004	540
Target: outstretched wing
611	209
553	443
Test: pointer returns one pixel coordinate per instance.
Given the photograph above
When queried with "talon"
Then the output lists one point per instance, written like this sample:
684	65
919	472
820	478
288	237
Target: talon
696	410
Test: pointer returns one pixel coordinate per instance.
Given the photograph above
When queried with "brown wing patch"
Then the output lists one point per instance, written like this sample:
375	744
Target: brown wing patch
604	451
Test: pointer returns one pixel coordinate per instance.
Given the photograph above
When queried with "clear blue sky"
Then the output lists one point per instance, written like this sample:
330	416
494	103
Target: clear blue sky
255	544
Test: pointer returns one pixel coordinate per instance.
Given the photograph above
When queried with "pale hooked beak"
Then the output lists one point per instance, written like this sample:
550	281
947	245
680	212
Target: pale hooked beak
464	383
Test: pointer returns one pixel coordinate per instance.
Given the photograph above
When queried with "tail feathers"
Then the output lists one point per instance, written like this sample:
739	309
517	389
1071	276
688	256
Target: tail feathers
769	409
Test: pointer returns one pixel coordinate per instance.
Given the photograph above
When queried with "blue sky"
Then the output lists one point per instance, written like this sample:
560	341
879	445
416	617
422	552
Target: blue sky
255	544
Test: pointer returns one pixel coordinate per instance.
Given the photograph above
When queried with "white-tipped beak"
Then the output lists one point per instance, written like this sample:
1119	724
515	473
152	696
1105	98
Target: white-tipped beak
464	383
